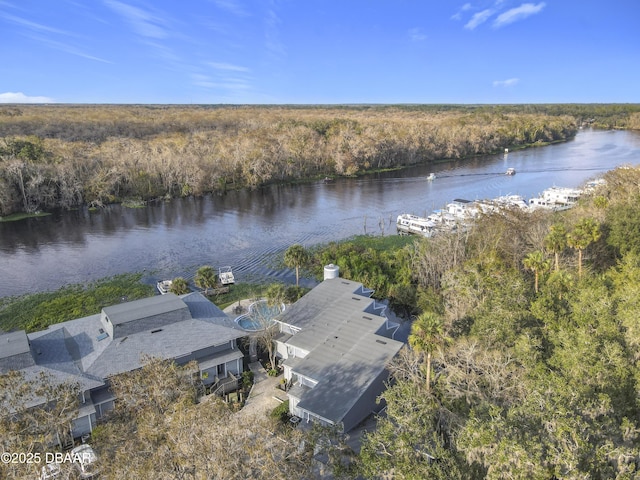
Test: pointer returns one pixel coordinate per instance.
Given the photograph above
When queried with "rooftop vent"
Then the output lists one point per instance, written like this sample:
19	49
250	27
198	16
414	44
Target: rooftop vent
156	330
381	342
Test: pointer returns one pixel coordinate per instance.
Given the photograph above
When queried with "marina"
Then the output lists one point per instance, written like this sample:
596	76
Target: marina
460	213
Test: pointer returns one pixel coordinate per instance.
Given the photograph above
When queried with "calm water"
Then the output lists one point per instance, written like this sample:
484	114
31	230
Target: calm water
248	230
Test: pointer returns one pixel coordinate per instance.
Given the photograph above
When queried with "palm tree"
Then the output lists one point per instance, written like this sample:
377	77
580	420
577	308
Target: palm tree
584	233
276	294
556	242
296	256
560	283
205	278
427	333
536	262
179	286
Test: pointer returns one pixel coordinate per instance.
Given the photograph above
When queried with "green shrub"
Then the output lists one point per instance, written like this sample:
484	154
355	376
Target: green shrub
281	412
247	379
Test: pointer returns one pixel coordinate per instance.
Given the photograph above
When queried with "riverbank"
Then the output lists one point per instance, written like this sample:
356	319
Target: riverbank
99	155
14	217
36	311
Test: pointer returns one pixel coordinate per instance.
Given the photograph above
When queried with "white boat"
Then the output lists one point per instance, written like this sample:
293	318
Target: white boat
463	210
431	176
407	223
556	198
510	171
594	184
510	201
225	276
164	286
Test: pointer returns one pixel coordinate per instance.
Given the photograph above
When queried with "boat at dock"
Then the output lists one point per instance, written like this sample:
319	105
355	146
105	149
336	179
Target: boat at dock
164	286
460	213
225	276
556	198
431	176
407	223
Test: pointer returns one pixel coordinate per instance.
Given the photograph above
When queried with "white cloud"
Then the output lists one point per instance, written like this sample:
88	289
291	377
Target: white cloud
458	14
510	82
33	25
231	6
19	97
416	35
227	66
143	23
230	84
65	47
478	19
518	13
272	35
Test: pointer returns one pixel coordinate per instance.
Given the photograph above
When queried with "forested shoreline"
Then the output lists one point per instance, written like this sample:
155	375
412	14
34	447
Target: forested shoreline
66	156
523	363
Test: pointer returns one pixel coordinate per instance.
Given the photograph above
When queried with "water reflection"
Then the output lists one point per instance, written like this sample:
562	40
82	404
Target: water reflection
246	228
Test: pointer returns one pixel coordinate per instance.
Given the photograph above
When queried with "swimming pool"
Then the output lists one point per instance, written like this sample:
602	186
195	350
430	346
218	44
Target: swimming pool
259	316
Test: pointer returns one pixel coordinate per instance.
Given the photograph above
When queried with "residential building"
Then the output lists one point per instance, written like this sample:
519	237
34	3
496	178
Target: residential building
336	344
90	350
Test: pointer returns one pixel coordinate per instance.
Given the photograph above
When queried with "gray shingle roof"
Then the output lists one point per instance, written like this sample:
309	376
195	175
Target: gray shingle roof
146	307
345	353
79	349
13	343
344	374
171	341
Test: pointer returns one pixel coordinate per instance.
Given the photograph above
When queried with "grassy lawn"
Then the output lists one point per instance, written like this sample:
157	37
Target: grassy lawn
37	311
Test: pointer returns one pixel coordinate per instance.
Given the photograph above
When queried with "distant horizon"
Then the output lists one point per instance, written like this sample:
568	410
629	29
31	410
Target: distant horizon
133	104
359	52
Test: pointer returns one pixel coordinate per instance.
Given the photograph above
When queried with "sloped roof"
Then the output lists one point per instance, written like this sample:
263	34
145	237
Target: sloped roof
171	341
345	353
80	349
13	343
145	307
344	374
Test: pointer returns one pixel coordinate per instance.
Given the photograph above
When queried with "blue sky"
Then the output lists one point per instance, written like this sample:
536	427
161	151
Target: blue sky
319	51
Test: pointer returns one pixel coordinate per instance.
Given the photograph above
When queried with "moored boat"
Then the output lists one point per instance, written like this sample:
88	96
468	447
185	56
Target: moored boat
556	198
510	171
431	176
225	276
407	223
164	286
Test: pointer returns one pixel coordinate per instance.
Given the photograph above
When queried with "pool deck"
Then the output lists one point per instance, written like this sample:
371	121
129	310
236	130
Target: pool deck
244	304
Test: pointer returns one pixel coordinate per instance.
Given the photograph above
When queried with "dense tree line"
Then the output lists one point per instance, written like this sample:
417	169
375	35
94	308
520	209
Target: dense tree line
66	156
520	367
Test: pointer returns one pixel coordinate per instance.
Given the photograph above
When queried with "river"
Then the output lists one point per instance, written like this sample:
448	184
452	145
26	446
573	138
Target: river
248	229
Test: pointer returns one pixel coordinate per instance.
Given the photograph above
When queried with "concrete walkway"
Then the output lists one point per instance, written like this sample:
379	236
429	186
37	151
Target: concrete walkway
264	395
